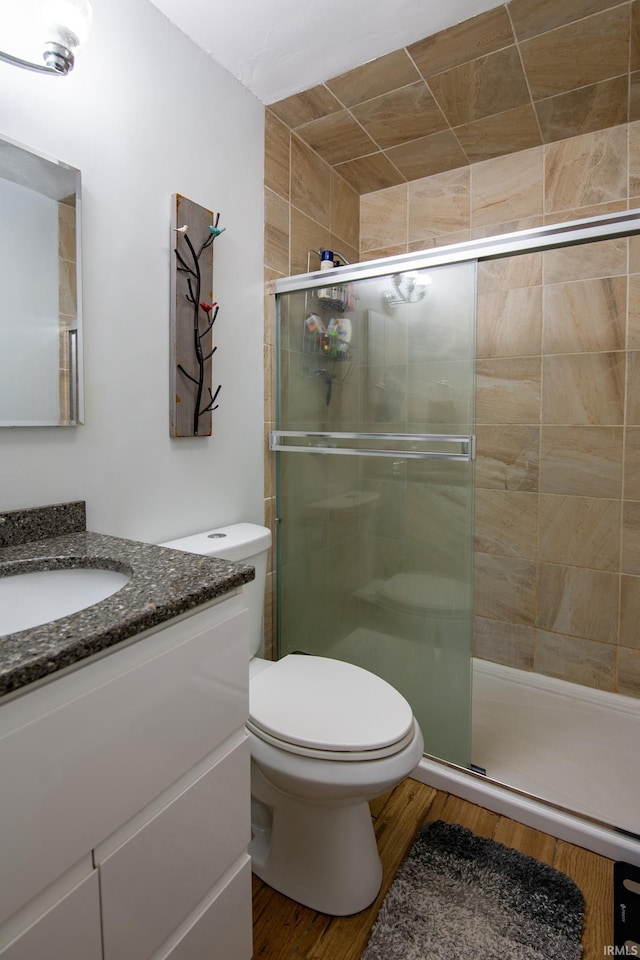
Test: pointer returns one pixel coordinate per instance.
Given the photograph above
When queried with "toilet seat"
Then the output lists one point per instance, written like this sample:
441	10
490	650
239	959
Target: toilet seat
328	709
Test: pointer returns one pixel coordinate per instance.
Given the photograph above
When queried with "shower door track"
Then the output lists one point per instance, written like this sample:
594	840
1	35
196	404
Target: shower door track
549	237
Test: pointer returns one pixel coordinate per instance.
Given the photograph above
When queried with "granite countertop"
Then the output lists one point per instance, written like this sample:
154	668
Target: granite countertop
163	584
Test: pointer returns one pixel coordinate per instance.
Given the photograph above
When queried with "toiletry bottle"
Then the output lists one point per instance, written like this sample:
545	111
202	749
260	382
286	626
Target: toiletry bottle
326	263
326	260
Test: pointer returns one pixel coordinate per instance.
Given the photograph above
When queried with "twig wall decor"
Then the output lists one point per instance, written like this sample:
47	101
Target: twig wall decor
193	314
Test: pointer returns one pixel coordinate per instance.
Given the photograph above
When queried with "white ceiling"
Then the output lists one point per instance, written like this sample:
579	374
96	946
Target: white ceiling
279	47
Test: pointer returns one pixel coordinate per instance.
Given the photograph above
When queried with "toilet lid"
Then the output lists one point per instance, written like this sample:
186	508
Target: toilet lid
321	704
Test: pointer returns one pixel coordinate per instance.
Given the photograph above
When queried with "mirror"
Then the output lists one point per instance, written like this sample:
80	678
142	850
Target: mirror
41	380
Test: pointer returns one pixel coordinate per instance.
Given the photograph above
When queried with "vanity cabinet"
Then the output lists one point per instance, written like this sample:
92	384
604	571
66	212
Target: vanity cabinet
69	930
126	800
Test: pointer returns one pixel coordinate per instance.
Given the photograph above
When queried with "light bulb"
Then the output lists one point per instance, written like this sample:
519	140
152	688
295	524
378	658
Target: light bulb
66	22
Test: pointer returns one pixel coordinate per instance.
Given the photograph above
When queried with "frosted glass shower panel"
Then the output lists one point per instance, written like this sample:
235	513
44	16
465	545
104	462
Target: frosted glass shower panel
375	485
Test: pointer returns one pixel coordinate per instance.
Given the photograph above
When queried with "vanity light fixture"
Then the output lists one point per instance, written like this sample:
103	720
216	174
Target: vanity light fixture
65	25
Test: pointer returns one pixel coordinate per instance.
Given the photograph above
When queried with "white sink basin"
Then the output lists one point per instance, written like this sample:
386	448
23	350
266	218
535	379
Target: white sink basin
30	599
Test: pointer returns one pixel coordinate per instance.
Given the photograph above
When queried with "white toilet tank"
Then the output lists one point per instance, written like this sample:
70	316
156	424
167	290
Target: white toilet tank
241	543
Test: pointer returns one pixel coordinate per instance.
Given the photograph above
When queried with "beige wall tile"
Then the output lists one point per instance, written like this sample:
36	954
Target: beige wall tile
581	461
310	182
502	133
496	80
603	258
507	188
508	390
634	96
467	40
306	234
337	138
633	387
338	245
632	464
633	330
369	174
634	254
383	218
442	240
586	170
306	106
580	532
276	232
374	78
576	660
506	226
508	457
440	204
401	115
511	272
505	588
276	155
589	108
531	17
345	211
585	315
631	537
391	251
583	388
578	602
630	612
634	159
634	44
580	53
428	155
580	213
509	322
509	643
629	672
506	523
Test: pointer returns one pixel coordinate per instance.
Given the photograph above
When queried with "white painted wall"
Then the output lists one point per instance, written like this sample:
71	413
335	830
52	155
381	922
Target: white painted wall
146	114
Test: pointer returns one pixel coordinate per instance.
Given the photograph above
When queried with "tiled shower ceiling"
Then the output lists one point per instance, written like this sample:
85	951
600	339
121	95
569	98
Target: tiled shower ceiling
522	74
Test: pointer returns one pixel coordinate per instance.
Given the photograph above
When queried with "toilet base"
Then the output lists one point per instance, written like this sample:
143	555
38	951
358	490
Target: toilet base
321	854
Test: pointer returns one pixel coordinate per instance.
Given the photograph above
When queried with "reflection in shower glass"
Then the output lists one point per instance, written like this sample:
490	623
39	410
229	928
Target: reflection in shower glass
375	532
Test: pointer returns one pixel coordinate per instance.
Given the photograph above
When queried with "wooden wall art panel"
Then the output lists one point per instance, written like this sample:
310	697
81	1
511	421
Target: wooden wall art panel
193	314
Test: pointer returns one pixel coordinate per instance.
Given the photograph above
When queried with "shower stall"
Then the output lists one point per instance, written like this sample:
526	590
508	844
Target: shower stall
452	411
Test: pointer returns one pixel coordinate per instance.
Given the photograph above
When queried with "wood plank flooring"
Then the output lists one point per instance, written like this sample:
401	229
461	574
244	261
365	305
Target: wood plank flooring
284	930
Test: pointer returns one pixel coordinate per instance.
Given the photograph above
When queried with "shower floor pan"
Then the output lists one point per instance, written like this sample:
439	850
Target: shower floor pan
568	744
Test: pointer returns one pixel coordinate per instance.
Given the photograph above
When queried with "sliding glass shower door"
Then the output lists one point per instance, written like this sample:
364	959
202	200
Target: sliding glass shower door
375	485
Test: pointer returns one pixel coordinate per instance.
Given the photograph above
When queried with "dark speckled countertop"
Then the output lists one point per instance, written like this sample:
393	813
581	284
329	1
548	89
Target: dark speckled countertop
164	584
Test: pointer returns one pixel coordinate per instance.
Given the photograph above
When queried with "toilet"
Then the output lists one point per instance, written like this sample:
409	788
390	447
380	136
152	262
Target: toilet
326	737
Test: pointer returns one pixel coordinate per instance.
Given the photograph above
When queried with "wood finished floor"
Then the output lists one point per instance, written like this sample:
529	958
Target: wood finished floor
284	930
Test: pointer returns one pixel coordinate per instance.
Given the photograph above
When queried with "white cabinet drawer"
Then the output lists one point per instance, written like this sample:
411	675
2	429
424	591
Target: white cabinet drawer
70	930
223	930
153	881
89	750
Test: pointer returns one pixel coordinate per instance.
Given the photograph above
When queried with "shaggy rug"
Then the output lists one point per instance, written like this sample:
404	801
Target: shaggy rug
457	896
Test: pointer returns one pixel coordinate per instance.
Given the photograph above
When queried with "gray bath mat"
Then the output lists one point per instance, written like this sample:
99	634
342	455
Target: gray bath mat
457	896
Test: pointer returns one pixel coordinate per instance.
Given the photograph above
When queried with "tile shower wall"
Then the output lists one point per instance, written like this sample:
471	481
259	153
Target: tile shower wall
558	401
307	206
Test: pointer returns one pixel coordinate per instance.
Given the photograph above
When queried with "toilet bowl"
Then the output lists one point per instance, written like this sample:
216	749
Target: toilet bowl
326	737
